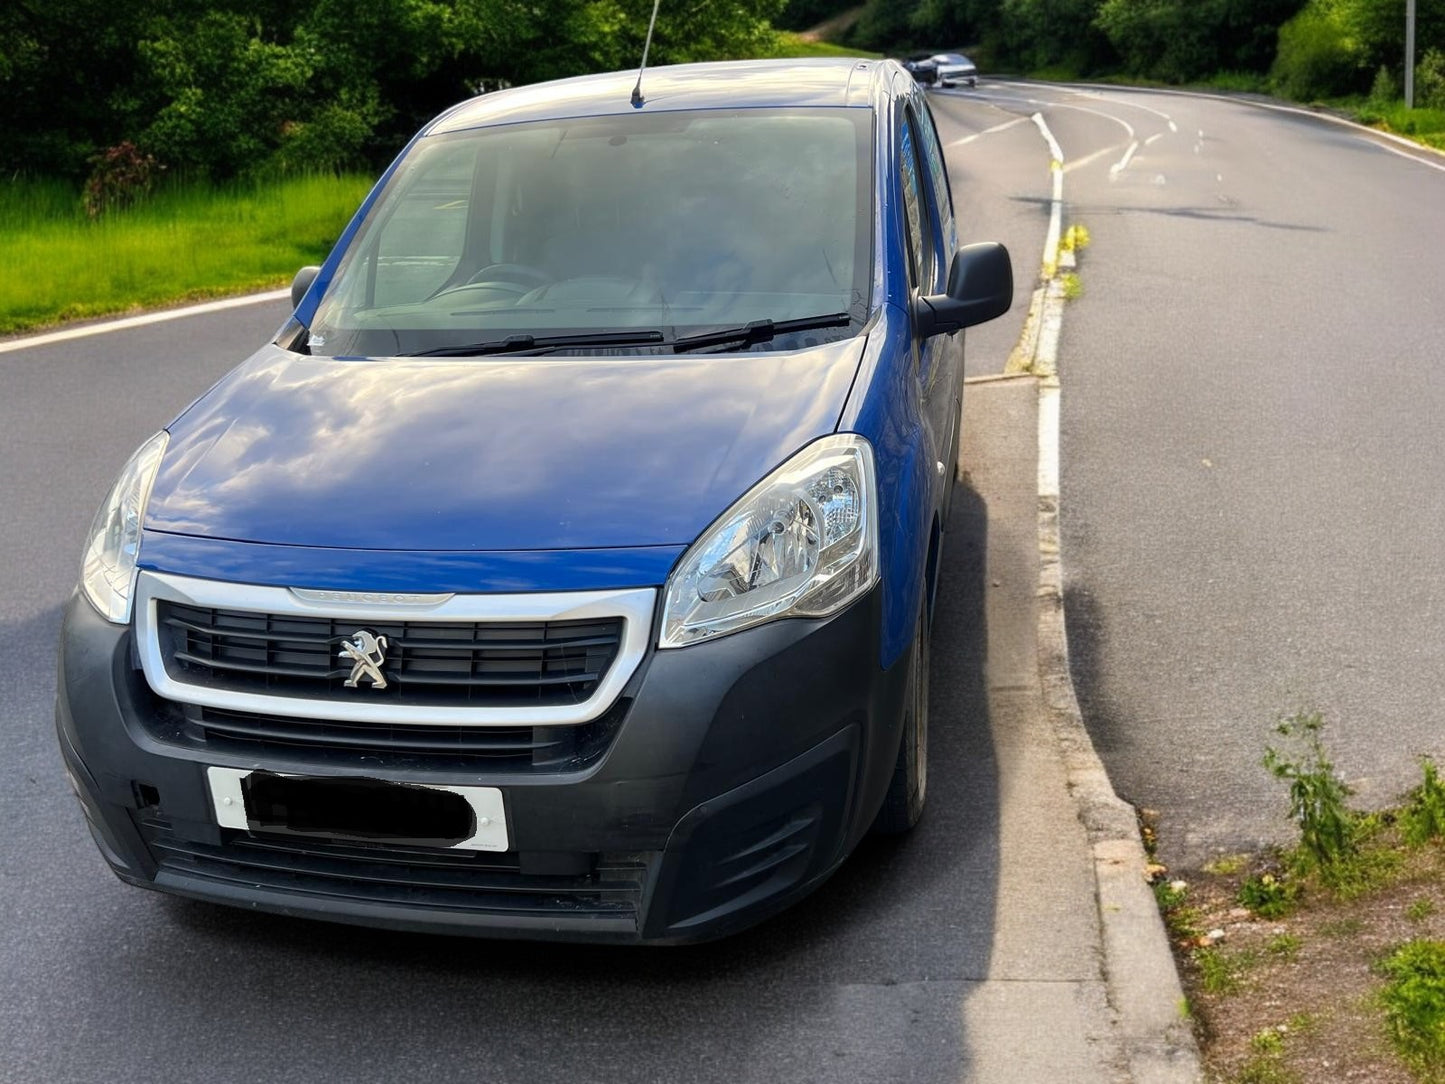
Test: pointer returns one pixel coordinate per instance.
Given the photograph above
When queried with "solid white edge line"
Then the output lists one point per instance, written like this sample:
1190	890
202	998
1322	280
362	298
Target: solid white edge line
1056	207
127	322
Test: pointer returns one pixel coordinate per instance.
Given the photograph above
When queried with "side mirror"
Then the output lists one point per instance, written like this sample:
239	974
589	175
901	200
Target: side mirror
301	283
980	287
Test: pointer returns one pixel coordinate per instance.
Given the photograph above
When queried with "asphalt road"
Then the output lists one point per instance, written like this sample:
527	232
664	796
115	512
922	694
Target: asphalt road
1252	444
868	980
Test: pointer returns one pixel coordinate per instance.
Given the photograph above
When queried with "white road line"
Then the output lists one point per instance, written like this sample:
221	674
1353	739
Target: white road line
1099	113
1089	159
140	321
989	131
1104	97
1153	139
1056	208
1123	163
1173	127
1405	148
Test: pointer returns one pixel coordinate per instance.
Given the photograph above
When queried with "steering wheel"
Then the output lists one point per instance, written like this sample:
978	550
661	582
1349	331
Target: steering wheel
521	273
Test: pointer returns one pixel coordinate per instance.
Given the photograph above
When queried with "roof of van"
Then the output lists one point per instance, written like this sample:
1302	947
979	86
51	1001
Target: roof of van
741	84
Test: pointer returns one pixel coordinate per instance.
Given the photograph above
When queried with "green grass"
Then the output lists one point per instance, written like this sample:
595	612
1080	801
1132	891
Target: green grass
1414	1000
1424	125
793	45
188	240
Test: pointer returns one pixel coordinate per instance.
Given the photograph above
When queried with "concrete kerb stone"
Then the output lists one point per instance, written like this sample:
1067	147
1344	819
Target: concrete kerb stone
1144	991
1143	984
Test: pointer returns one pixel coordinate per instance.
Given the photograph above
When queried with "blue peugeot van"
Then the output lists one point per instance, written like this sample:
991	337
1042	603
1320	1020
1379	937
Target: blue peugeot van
563	568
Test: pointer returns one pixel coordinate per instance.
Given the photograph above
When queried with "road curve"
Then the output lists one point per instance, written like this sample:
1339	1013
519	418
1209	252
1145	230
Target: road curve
1253	388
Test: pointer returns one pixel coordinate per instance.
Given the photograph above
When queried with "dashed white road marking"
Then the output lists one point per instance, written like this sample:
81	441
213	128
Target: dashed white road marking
1089	159
1153	139
989	131
1123	163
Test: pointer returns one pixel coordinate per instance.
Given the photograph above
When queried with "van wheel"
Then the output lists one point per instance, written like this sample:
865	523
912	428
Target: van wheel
903	804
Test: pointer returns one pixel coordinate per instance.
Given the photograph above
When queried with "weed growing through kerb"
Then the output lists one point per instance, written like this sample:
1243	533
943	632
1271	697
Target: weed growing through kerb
1414	1000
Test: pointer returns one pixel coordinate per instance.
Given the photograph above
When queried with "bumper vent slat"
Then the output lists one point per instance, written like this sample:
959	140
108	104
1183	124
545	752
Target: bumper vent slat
470	881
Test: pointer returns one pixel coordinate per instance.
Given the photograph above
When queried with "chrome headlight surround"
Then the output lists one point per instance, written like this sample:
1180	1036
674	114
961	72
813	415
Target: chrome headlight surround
803	542
108	569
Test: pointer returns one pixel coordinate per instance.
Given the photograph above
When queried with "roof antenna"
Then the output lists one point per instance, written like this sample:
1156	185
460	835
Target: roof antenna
637	98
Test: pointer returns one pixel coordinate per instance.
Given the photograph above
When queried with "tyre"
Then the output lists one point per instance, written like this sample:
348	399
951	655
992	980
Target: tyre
903	805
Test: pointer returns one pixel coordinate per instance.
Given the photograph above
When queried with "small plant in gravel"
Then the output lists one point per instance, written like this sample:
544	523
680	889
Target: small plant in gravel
1420	910
1423	818
1222	972
1268	896
1414	1000
1284	946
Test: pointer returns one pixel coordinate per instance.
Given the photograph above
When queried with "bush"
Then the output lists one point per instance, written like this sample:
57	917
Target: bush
1317	57
118	178
1384	91
1414	1001
1430	80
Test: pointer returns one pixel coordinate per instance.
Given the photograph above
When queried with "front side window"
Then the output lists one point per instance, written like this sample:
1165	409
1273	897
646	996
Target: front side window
678	223
915	208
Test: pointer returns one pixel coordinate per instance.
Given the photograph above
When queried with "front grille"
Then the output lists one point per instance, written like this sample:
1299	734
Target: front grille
491	748
427	663
454	880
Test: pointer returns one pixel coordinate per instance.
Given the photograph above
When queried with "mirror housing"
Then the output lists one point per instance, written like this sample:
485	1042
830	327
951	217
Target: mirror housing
980	287
302	282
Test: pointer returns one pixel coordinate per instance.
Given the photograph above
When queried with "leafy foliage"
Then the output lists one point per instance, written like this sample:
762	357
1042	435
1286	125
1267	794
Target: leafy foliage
1430	80
1414	1000
235	86
1423	818
1183	40
1268	896
121	176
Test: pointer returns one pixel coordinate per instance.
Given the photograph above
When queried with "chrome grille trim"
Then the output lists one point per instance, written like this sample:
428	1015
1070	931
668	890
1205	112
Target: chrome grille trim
633	606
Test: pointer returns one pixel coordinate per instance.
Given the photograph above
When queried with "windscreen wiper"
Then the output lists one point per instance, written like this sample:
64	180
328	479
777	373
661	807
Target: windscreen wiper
759	331
542	344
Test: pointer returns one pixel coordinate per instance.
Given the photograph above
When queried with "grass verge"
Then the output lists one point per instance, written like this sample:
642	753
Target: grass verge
796	45
186	241
1325	961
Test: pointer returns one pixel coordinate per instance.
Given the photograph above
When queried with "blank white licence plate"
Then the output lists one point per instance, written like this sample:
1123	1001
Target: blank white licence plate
359	808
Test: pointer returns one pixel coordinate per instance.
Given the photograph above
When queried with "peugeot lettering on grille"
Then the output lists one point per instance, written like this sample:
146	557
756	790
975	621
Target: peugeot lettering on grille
367	653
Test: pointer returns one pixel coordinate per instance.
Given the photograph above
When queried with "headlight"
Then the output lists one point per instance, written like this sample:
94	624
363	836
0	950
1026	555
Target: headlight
803	542
107	574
